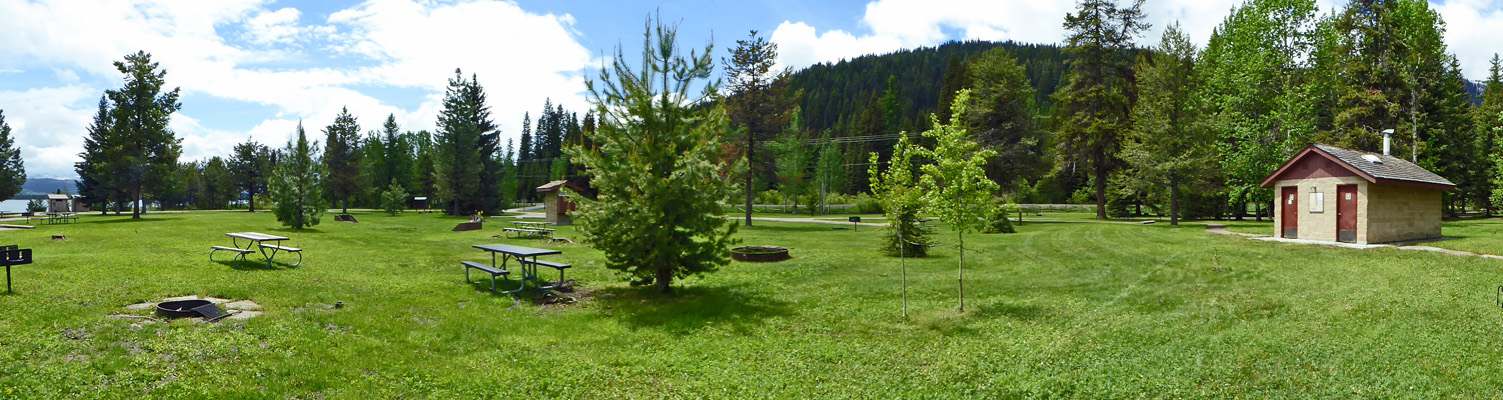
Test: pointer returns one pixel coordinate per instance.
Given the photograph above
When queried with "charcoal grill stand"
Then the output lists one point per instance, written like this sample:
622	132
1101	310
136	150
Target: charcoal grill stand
12	255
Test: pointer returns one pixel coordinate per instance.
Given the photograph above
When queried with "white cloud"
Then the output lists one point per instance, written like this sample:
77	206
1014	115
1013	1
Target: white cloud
278	26
1471	33
900	24
304	71
48	126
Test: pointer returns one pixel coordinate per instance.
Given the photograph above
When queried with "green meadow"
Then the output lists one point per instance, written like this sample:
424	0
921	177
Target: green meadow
1058	310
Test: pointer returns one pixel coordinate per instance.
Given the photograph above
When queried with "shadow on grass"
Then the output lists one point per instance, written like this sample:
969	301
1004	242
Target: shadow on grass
1021	312
253	265
112	219
290	230
803	227
738	307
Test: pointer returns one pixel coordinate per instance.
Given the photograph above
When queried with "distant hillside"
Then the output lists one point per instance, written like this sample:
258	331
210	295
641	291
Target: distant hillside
835	94
1474	88
38	187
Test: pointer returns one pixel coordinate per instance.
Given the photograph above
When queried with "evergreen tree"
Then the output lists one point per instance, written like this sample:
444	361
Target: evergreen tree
464	161
793	156
249	168
1168	146
94	182
1488	122
509	182
1001	118
658	165
1093	108
342	158
143	155
957	76
12	170
758	102
955	186
218	185
829	170
297	184
394	199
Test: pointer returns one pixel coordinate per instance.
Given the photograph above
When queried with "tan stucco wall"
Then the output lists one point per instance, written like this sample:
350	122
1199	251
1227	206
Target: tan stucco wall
1400	213
1384	213
1321	225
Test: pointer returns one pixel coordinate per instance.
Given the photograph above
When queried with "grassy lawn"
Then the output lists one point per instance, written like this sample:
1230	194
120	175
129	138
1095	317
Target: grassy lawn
1060	310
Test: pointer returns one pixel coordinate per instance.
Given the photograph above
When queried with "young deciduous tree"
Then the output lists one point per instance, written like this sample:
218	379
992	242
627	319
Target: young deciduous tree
1169	146
658	165
757	101
297	184
342	158
955	186
897	189
12	170
1092	110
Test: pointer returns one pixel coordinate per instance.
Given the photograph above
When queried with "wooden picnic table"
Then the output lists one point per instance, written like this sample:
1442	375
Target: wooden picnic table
526	257
256	240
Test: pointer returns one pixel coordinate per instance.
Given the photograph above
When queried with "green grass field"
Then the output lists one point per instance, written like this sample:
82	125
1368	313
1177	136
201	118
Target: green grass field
1059	310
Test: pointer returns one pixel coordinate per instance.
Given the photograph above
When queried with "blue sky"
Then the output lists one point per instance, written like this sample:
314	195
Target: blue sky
254	68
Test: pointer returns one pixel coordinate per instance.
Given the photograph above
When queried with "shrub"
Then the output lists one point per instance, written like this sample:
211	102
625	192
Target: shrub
394	198
36	205
998	222
869	206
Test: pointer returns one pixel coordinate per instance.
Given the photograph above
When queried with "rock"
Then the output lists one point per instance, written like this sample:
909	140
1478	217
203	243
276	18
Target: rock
244	315
217	300
141	306
243	305
179	298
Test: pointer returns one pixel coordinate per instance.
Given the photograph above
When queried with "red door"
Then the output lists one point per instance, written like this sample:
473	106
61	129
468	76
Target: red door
1289	200
1346	213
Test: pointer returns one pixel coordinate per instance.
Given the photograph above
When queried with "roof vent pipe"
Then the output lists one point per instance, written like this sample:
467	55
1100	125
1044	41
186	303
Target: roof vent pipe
1387	138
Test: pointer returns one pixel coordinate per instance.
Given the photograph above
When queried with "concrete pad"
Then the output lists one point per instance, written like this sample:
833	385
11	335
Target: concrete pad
1323	243
243	305
1438	250
217	300
244	315
141	306
180	298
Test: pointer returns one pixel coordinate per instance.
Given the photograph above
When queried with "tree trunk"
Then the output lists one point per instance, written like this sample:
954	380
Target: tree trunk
750	172
252	201
960	267
136	208
1173	201
1100	188
663	280
346	204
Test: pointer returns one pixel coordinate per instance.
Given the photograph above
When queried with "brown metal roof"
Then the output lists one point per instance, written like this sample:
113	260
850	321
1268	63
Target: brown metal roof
1389	171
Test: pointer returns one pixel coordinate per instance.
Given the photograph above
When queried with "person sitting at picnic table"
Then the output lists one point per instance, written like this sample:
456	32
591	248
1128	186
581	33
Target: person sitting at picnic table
477	217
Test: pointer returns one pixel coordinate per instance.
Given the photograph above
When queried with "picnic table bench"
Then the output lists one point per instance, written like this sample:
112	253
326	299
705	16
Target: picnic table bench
518	233
526	257
256	241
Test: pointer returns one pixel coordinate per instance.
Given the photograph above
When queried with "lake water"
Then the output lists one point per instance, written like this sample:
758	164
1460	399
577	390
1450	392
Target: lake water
13	205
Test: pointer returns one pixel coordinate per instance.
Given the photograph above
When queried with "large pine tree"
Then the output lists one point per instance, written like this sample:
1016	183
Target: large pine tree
94	181
464	164
342	158
143	153
1093	109
757	102
250	165
1169	147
